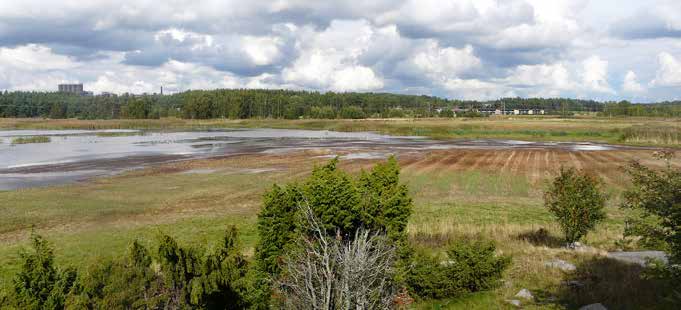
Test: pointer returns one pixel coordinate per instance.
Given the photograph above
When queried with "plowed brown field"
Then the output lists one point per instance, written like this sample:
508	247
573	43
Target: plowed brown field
534	164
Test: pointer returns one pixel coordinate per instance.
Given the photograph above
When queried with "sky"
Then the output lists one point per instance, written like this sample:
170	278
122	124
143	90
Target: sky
461	49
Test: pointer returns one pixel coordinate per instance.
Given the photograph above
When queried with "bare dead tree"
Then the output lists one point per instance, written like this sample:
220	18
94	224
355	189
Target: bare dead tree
332	273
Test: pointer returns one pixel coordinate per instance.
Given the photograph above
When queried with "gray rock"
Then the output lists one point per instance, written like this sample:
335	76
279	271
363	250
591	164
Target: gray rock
639	258
597	306
560	264
514	302
524	293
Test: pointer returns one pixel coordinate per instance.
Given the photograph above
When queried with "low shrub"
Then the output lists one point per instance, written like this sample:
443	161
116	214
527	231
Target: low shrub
471	266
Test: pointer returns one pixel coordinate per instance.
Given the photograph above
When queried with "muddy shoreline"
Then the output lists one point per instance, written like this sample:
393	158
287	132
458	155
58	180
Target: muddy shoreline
81	155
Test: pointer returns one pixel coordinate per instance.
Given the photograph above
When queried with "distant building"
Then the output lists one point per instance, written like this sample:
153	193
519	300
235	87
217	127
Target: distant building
71	88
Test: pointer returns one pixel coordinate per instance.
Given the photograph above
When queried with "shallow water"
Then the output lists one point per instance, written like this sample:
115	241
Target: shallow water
74	155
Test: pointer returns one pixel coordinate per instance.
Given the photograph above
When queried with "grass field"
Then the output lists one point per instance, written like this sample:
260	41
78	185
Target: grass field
493	194
636	131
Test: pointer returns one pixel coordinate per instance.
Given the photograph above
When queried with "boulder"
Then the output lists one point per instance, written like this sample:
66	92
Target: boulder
560	264
514	302
639	258
525	294
597	306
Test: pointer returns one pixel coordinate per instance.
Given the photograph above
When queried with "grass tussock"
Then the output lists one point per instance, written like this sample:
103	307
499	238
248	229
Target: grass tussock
27	140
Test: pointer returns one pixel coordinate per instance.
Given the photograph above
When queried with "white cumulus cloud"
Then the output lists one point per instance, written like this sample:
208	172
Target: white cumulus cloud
631	83
668	71
595	75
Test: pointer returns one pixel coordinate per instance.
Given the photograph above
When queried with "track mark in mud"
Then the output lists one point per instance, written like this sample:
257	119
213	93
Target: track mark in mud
508	161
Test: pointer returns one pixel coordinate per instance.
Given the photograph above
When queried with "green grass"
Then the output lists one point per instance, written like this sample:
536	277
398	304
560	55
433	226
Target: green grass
27	140
97	220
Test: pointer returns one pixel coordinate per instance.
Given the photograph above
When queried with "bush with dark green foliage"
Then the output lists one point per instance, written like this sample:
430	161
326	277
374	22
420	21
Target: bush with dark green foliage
470	266
40	284
375	201
211	281
576	201
183	278
656	197
277	223
128	283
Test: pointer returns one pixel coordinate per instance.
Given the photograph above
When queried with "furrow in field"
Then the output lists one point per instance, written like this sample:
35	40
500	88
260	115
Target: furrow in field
593	163
509	161
465	161
575	160
481	159
535	162
445	161
409	162
517	163
448	161
497	162
426	163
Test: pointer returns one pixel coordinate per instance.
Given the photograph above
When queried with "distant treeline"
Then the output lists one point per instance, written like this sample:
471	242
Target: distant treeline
288	104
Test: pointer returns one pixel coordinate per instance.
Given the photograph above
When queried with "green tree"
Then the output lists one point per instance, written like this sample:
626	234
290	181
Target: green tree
58	110
200	105
352	112
576	201
375	201
385	203
276	225
334	199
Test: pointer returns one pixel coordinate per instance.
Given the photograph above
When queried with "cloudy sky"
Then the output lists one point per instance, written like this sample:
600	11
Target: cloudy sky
467	49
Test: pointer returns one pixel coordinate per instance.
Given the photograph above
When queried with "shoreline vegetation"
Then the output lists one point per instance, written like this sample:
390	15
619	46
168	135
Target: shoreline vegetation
640	131
29	140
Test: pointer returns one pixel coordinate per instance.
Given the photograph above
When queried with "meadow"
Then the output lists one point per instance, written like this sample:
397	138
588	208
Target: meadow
494	194
631	130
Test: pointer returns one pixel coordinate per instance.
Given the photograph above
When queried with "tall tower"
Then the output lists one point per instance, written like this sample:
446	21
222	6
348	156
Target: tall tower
161	90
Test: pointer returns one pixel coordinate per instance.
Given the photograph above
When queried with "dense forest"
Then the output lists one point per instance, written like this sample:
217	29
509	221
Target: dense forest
260	103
